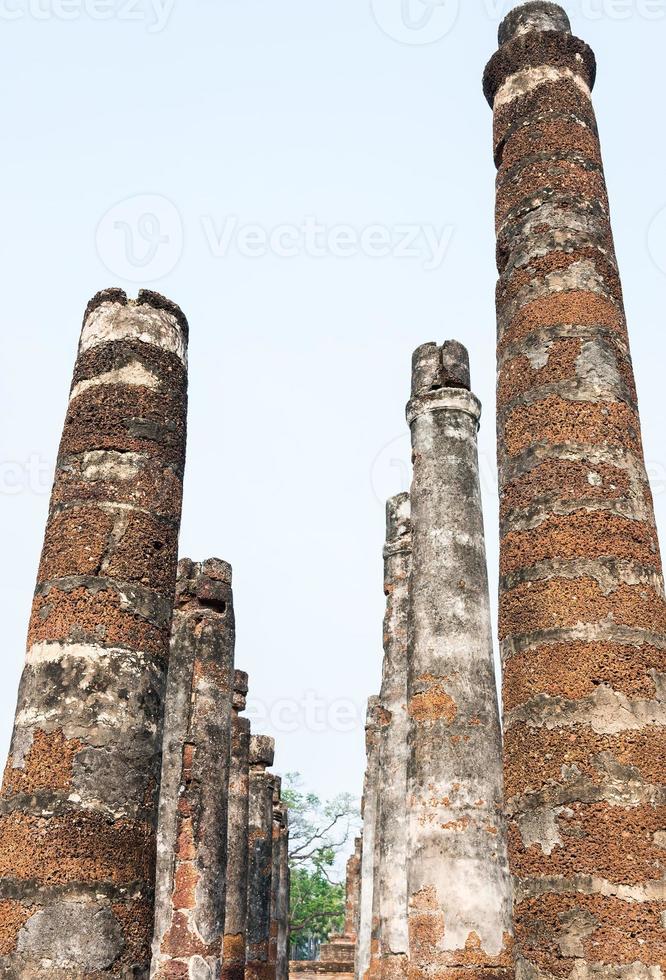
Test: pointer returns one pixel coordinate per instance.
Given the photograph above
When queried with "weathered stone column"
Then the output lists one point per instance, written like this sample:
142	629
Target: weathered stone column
368	916
390	959
78	809
582	611
458	885
235	922
340	948
278	814
353	902
258	967
282	967
192	831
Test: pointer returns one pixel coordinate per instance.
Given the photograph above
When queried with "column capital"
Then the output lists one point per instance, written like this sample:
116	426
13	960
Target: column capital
444	400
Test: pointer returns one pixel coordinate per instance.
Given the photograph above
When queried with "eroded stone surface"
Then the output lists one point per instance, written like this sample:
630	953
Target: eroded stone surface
459	895
192	832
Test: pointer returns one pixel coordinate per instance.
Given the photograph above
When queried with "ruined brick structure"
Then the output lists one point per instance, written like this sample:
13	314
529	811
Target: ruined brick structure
104	739
260	867
582	612
78	812
367	919
339	953
192	830
233	967
389	955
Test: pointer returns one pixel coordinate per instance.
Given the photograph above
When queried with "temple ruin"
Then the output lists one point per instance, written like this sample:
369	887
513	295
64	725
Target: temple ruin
142	833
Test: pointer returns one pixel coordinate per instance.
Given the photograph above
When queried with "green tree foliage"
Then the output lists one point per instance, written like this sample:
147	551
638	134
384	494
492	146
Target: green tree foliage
318	833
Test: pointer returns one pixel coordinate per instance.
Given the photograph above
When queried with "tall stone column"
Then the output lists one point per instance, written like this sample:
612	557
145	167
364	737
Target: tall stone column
458	885
260	868
368	913
390	959
340	948
282	966
78	807
192	831
582	611
278	815
235	922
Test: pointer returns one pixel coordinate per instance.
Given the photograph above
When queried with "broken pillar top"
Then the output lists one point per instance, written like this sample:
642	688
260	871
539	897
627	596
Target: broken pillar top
441	381
277	789
151	318
534	16
398	520
436	367
534	39
207	583
241	687
262	751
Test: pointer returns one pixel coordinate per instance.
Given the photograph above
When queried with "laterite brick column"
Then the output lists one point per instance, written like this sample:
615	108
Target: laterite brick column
192	831
278	815
282	965
78	809
390	959
458	880
260	869
340	948
368	919
235	922
582	612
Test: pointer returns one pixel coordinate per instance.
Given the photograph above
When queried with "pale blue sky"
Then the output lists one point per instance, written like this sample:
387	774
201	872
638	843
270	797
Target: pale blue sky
318	185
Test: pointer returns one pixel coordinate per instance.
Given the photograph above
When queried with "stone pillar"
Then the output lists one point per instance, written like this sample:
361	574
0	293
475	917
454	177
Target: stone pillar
353	891
278	814
458	885
192	831
78	807
368	917
258	967
582	611
282	967
390	959
340	949
233	967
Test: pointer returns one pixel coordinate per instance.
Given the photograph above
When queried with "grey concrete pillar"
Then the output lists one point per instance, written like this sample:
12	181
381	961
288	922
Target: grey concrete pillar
192	832
368	917
458	886
282	965
235	921
260	867
78	806
390	958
